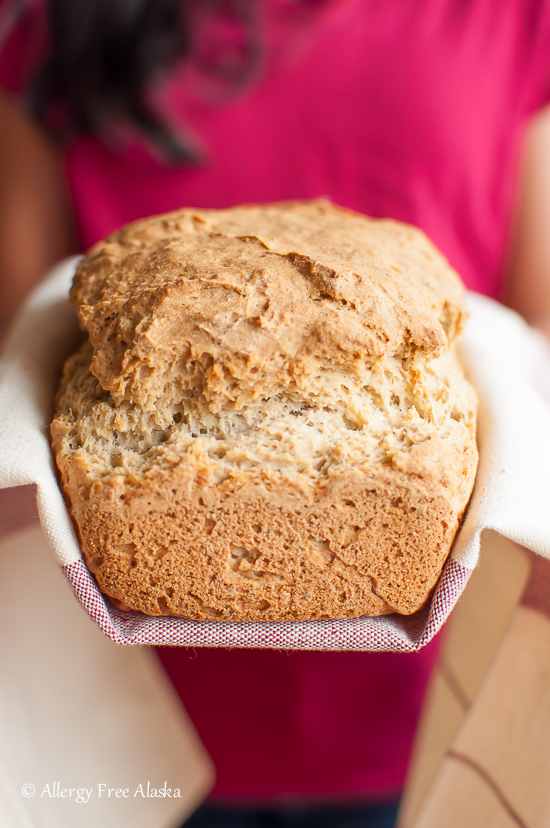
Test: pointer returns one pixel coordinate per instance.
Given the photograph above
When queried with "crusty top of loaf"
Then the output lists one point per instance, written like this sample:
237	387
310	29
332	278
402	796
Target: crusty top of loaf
234	305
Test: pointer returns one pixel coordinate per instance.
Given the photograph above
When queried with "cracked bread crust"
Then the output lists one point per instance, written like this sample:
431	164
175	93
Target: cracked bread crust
266	297
248	437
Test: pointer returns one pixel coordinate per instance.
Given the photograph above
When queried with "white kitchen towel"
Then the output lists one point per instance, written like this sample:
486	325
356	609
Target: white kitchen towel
507	361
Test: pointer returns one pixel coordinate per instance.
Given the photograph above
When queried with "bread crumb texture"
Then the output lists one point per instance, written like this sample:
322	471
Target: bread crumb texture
268	420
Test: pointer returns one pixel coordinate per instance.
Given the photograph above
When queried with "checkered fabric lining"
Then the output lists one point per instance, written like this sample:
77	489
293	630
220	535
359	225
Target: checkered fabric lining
393	633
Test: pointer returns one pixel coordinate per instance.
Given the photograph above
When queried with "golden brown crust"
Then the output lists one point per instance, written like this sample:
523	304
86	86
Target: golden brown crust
278	427
257	291
252	550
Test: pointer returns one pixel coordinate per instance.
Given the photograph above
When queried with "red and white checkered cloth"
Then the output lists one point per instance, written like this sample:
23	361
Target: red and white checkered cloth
509	364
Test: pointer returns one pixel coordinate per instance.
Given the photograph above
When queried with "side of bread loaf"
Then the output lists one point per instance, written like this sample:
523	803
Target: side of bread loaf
269	421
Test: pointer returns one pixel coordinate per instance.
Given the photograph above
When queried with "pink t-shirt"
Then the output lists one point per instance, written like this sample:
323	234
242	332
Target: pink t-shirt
390	107
393	108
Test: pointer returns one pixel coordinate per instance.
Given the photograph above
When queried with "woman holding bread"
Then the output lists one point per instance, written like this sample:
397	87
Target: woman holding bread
417	114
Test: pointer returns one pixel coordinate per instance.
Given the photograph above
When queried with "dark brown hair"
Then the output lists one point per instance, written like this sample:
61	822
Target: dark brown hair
105	56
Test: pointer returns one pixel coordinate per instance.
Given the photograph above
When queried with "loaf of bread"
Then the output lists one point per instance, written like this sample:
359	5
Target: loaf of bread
268	420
